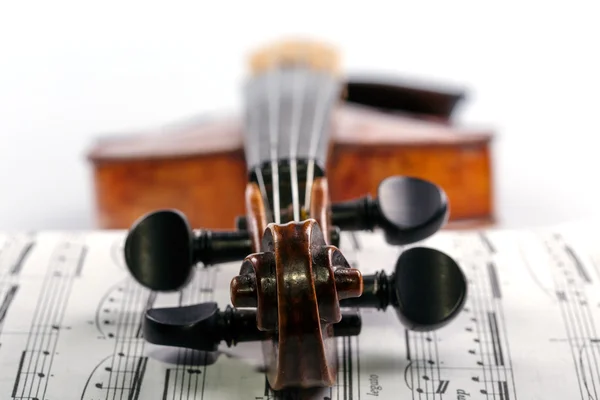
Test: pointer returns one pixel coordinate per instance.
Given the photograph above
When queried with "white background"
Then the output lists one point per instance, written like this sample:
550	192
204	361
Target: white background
71	71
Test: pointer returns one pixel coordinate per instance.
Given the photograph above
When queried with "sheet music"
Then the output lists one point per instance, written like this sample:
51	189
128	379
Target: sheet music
70	325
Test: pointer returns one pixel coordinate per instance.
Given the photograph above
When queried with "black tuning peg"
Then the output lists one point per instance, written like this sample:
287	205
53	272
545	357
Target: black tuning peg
407	209
427	289
161	249
203	326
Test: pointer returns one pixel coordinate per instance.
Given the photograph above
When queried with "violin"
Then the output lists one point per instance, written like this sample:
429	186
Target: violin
295	292
381	126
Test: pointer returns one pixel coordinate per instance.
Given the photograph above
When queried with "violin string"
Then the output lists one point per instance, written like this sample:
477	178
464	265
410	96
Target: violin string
294	140
273	94
318	120
254	130
310	172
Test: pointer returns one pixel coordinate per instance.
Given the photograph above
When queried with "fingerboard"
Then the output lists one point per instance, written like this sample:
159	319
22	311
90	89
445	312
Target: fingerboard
287	126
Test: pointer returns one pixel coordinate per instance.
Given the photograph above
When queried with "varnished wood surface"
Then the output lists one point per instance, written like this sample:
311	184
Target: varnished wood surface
256	216
462	171
352	124
320	207
200	168
125	191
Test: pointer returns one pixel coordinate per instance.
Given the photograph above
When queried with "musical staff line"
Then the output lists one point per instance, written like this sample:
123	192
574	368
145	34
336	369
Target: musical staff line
504	383
18	265
81	261
32	376
429	374
578	264
470	355
8	280
6	302
121	373
487	243
187	379
348	347
479	310
493	274
570	277
498	357
15	252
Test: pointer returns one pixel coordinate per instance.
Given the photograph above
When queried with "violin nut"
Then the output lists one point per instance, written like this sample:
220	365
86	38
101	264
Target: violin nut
348	282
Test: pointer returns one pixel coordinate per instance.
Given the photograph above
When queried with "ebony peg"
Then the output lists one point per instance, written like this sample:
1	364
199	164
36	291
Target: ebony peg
407	209
427	290
161	249
203	326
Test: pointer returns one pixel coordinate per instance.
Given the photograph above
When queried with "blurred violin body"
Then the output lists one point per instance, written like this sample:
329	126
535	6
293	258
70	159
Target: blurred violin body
382	127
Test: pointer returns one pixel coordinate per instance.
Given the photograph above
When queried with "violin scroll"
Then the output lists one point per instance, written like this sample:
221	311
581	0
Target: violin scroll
296	284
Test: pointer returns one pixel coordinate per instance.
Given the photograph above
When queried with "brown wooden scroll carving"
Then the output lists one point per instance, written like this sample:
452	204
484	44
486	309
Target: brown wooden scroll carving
296	284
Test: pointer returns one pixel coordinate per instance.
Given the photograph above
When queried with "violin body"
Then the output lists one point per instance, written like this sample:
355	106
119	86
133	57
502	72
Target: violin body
294	292
378	130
